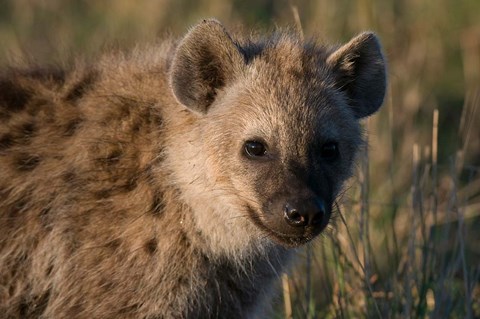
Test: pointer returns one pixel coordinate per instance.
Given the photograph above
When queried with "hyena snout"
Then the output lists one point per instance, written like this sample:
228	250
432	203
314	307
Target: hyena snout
302	213
296	220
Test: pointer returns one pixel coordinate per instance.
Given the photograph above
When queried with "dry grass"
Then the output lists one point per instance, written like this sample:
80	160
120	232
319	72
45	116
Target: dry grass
404	243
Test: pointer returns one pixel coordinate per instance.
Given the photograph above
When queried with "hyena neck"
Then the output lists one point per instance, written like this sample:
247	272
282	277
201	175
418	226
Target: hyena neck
227	286
238	292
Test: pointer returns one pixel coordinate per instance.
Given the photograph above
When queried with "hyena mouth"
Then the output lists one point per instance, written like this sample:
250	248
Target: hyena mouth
293	239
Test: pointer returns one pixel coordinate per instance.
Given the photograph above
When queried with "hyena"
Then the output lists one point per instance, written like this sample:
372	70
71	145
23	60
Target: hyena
175	181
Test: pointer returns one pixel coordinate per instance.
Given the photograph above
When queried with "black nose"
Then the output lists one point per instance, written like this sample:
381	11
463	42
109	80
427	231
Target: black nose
305	213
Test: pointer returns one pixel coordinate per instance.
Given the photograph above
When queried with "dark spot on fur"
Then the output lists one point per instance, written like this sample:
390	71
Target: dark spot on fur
72	127
209	97
112	157
74	181
182	281
122	186
11	291
28	128
35	306
12	96
69	176
103	193
18	207
44	212
158	206
49	270
136	127
151	246
124	110
106	285
157	119
296	74
42	107
149	175
130	184
82	87
6	141
26	132
41	304
114	244
149	116
23	308
27	162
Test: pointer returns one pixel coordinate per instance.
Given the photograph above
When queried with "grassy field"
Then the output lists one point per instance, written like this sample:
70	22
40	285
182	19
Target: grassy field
404	242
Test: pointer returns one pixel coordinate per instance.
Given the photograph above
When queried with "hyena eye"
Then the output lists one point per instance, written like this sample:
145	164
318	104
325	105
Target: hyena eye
330	151
255	148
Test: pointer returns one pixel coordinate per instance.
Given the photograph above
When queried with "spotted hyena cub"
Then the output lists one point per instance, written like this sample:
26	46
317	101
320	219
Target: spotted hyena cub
173	181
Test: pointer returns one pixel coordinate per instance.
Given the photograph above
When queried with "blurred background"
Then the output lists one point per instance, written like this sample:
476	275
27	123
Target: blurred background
405	242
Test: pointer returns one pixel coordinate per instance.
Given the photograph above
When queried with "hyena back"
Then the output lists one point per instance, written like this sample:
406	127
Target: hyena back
175	181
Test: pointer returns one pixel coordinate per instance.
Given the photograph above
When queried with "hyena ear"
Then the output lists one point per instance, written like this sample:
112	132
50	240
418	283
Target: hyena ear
206	60
360	71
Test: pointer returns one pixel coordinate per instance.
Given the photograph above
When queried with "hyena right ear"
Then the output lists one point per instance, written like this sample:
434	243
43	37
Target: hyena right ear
204	62
359	68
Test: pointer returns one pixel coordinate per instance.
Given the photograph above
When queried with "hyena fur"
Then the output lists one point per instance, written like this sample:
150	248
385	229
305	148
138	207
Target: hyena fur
175	181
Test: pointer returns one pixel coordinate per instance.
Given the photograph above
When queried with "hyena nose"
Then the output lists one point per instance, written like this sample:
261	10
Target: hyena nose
306	213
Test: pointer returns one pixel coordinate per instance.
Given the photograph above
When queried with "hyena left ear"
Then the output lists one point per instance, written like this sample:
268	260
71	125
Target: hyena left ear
359	68
205	61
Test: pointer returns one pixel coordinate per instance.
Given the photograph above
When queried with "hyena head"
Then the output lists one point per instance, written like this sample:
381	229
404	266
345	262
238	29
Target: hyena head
279	123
